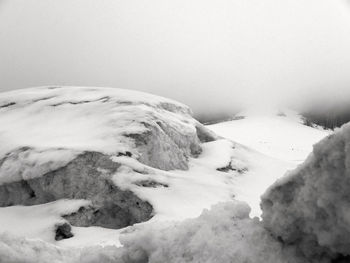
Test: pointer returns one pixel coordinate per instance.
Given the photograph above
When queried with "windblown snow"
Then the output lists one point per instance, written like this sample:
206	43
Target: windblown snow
131	174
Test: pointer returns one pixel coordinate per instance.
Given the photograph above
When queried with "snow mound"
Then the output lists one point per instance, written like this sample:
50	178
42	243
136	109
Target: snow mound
64	143
50	121
309	207
223	234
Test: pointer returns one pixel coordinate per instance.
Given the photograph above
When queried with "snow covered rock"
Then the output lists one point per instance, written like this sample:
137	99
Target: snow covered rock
225	233
310	207
59	142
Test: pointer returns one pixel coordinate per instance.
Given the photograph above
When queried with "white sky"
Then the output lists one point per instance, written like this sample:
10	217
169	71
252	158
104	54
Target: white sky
212	55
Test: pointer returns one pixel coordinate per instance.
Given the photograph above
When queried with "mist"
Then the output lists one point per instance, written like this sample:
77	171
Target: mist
215	56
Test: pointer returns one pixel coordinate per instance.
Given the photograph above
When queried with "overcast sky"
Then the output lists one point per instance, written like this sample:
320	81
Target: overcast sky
212	55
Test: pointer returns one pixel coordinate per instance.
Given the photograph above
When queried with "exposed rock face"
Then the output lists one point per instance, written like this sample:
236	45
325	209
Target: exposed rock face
86	177
310	207
164	147
63	231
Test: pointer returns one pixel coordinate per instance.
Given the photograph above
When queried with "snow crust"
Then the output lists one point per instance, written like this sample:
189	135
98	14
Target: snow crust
223	234
37	221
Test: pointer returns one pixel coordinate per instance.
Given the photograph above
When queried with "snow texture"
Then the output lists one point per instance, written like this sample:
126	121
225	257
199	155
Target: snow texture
43	128
148	146
278	134
309	207
223	234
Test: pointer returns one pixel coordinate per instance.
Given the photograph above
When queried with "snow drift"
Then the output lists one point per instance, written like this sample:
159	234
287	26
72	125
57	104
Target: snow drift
223	234
309	208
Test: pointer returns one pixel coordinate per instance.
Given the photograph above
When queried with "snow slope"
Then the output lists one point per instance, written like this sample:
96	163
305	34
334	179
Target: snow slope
43	129
281	142
281	136
46	129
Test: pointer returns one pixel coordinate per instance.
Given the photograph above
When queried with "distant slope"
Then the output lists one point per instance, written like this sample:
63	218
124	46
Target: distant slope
279	135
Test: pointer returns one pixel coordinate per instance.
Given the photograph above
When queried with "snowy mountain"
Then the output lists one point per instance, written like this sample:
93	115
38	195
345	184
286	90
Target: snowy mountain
79	166
116	157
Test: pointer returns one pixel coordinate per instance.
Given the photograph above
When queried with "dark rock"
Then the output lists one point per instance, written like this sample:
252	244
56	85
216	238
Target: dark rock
63	231
86	177
230	167
204	134
150	183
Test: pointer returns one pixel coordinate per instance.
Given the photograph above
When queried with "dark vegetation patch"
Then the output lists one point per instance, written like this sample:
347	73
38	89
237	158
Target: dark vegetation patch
329	119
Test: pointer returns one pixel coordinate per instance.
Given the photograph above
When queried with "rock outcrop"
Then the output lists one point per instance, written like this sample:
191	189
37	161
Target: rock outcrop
88	176
60	143
310	207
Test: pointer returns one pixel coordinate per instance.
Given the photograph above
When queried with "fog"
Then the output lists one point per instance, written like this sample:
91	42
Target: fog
215	56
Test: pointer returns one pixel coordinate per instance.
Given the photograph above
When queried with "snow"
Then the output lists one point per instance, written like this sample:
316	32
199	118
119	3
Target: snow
92	236
37	221
45	128
188	192
50	120
34	163
221	234
281	137
311	204
276	143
